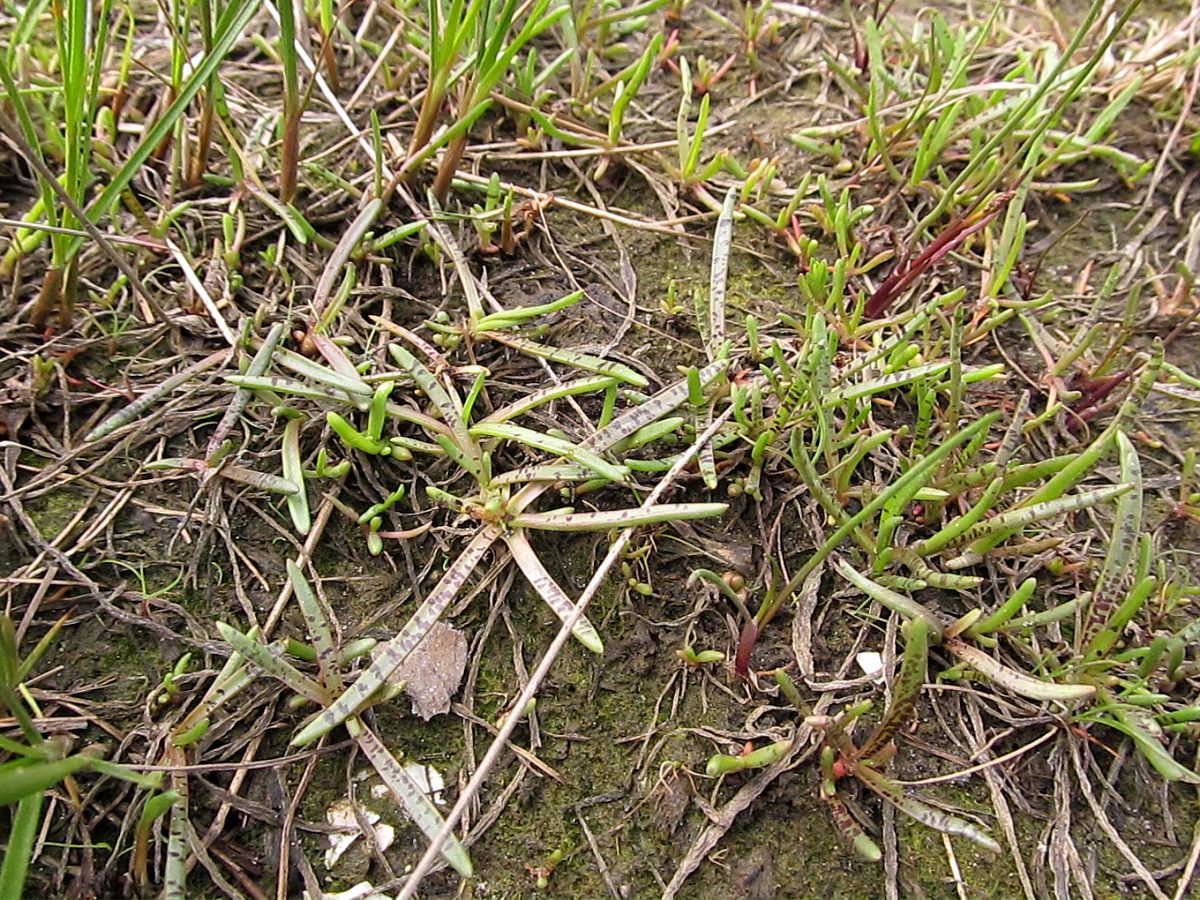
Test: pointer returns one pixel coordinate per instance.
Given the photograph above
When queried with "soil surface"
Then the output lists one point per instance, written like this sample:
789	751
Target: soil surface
604	791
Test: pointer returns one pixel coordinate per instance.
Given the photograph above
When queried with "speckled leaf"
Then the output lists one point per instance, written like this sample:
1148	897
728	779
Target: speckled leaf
718	274
906	691
285	385
314	371
258	366
923	813
621	518
261	480
318	627
409	793
883	383
1017	682
447	405
551	444
263	657
1027	515
657	406
546	395
144	401
391	654
584	361
550	591
1127	526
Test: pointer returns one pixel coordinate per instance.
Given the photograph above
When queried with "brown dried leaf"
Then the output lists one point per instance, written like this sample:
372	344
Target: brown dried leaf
434	670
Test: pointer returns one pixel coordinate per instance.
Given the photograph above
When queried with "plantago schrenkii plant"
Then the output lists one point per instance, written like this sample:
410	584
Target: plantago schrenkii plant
503	511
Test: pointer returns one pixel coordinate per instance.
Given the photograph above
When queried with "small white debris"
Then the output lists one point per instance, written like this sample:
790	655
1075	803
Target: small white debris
871	663
341	815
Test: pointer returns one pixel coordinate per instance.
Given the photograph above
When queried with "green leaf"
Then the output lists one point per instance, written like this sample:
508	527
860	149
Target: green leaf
1017	682
550	444
622	518
30	779
583	361
1125	719
263	657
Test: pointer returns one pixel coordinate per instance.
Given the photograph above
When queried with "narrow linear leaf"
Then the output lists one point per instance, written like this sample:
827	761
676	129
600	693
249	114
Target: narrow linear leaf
318	626
906	691
550	591
21	837
258	367
905	606
925	814
1127	527
1027	515
547	472
718	275
583	361
550	444
1123	719
624	518
447	405
510	318
415	801
175	868
143	403
547	395
264	481
314	371
293	472
341	253
657	406
954	530
333	354
1017	682
627	423
286	385
390	655
851	392
262	656
33	778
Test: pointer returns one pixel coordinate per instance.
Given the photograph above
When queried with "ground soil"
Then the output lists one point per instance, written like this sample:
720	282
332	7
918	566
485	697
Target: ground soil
622	738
